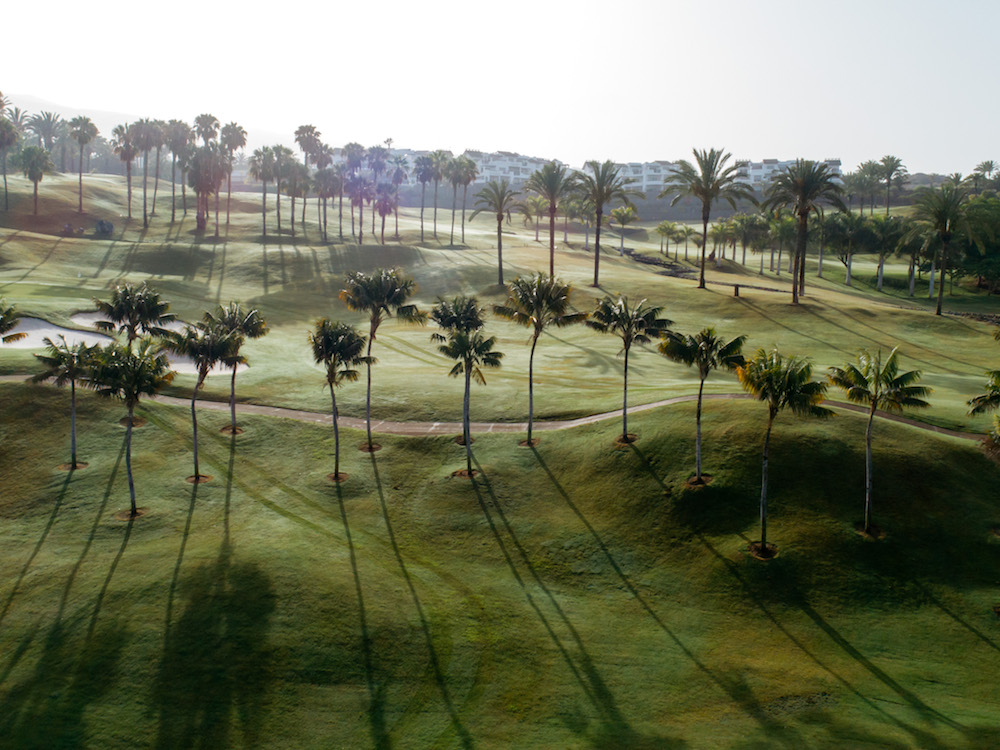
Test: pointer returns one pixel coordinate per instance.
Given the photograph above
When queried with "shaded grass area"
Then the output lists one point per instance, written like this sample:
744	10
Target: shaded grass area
575	595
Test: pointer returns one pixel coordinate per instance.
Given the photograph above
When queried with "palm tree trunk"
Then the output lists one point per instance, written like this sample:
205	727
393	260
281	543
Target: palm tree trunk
881	267
184	195
383	229
72	423
566	229
368	396
340	214
799	256
326	237
156	183
850	259
395	211
173	189
435	209
704	244
625	400
500	250
277	199
293	214
361	222
465	198
128	458
336	435
597	245
305	199
763	487
263	207
372	205
229	194
6	204
145	179
944	268
466	435
216	212
454	205
531	385
232	401
697	440
912	275
80	207
552	238
35	210
868	469
930	283
194	425
423	191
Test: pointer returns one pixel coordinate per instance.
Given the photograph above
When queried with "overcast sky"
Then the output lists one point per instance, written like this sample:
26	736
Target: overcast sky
633	80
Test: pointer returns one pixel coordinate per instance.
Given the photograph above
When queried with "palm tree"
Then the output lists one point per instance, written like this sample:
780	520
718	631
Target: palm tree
623	216
636	324
146	136
46	126
243	324
468	172
159	141
886	234
709	352
707	180
892	170
132	310
599	186
206	127
498	199
9	136
879	385
126	375
423	169
380	294
9	320
555	184
205	345
802	187
386	202
848	233
83	131
282	158
262	170
337	346
123	145
940	215
67	364
985	170
232	138
666	230
685	233
35	162
177	136
308	139
439	160
463	340
206	173
779	382
534	208
399	172
536	303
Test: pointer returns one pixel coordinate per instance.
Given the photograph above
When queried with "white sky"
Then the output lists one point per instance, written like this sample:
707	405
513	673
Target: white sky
632	80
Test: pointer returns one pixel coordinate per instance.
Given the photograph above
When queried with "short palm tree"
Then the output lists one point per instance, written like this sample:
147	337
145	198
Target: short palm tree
499	199
537	302
129	375
803	186
892	170
623	216
134	309
599	184
463	340
35	162
633	324
779	382
205	345
8	322
940	215
83	131
708	352
67	364
245	324
707	180
381	294
555	184
338	347
878	384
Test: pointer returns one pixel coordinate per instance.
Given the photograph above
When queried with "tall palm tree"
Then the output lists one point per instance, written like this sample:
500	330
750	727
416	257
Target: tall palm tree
35	162
324	182
45	126
146	135
123	145
386	202
985	170
83	131
133	309
206	127
802	187
453	173
780	382
159	141
463	340
129	375
9	320
707	180
337	346
708	352
599	186
497	198
623	216
423	169
555	183
886	234
381	294
232	138
205	345
892	170
468	173
878	384
940	215
64	364
178	136
282	158
400	170
243	324
537	302
308	139
9	136
440	160
262	170
633	324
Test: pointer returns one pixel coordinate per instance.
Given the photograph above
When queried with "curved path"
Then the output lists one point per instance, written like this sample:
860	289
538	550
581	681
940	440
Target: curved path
453	428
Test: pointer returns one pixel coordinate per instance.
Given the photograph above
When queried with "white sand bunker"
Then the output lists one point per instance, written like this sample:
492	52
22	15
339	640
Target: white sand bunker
38	330
90	320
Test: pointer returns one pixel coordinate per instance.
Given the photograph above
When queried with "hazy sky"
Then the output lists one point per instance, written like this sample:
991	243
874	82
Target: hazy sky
633	80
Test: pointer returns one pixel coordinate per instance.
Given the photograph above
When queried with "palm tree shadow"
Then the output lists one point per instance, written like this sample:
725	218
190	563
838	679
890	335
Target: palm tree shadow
107	579
180	559
613	729
38	544
463	735
376	691
961	621
757	309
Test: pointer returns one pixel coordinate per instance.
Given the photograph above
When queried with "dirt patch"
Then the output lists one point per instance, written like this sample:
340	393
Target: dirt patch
126	515
369	447
694	483
874	533
768	552
464	473
628	439
199	478
460	440
137	422
530	443
337	477
71	467
230	430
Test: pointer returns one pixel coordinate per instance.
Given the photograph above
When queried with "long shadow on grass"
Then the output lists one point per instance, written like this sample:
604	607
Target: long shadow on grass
961	621
736	689
760	311
107	579
216	668
180	554
614	730
463	734
921	738
376	692
38	544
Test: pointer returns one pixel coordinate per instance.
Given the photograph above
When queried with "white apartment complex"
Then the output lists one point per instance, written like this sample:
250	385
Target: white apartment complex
759	173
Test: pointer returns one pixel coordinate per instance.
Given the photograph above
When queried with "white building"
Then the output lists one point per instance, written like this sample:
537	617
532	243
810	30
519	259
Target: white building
758	174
